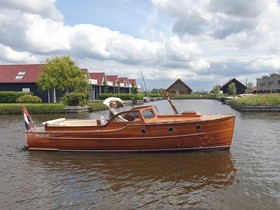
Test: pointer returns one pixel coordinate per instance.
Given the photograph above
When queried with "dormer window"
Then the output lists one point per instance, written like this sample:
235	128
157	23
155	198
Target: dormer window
20	75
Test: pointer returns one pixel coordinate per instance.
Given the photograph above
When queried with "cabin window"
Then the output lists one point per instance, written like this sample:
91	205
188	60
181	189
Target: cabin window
132	116
128	117
148	114
170	130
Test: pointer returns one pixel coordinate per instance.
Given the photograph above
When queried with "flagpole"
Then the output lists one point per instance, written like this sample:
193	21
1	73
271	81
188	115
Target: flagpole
170	102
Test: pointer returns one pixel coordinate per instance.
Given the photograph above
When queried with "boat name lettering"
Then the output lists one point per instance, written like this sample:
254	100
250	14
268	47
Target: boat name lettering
42	135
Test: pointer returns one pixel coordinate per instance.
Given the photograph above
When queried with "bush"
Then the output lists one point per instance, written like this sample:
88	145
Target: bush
11	96
29	99
76	99
139	96
155	95
97	106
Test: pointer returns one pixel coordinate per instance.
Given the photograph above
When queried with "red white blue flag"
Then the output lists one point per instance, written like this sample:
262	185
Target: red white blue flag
27	118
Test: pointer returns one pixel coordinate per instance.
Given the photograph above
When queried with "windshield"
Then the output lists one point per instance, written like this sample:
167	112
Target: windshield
128	117
148	114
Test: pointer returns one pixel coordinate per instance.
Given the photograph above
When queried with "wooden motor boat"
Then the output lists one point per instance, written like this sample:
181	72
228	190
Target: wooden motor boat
140	129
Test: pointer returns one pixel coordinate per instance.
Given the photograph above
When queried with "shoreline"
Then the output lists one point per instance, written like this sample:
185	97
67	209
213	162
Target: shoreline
256	108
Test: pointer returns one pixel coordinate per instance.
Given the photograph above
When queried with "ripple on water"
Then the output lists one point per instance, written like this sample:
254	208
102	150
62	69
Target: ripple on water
246	177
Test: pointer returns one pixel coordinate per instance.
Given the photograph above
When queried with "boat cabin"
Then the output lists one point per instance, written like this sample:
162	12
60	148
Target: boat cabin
138	114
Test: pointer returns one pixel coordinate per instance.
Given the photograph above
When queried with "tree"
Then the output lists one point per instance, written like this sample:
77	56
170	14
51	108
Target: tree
249	87
232	89
216	90
118	86
61	73
155	91
105	85
133	88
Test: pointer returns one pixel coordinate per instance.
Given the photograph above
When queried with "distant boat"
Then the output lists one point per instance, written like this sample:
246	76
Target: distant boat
140	129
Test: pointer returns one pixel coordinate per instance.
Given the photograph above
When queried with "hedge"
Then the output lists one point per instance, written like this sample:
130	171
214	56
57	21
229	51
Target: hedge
121	96
46	108
11	96
95	106
32	108
76	99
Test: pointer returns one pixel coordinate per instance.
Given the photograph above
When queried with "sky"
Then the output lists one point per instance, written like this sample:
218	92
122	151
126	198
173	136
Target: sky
202	42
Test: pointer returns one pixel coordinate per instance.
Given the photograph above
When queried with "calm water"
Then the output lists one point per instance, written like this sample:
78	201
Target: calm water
246	177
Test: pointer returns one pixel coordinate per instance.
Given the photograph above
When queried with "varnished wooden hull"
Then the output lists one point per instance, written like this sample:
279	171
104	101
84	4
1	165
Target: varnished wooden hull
199	134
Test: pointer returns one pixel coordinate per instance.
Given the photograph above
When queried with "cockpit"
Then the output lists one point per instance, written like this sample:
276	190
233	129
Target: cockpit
138	114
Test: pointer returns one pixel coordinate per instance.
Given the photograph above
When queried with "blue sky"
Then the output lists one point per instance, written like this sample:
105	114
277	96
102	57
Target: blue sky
124	16
204	43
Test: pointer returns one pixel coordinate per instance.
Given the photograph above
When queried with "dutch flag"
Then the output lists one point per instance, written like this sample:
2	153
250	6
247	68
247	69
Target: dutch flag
27	118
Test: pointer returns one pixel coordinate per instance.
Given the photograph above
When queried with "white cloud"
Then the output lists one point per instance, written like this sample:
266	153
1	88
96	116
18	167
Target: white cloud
45	35
101	43
9	55
44	8
212	40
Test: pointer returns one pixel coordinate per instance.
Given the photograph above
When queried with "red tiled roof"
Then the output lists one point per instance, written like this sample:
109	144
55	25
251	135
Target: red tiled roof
132	81
8	73
112	78
97	76
123	80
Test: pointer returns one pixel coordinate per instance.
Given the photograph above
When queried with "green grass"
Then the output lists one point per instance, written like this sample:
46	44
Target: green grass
258	100
45	108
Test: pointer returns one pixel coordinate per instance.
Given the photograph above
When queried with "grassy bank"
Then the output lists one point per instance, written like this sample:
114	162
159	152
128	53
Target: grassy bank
257	100
45	108
196	96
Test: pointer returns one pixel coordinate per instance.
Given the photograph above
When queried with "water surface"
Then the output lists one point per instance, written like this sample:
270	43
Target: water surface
245	177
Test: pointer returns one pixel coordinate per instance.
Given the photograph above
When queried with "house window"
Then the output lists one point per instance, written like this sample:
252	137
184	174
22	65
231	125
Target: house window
20	75
278	82
25	89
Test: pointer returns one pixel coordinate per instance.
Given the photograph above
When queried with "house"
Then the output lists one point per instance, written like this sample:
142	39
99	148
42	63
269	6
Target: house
179	88
22	78
97	82
98	79
124	84
240	88
269	83
112	81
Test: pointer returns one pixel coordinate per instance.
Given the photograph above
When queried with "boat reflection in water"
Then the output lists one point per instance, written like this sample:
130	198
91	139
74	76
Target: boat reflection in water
134	176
